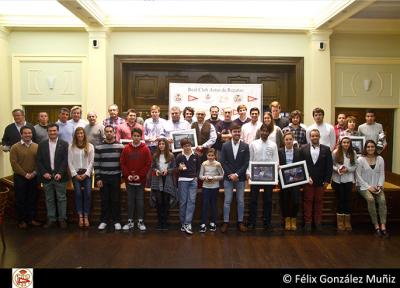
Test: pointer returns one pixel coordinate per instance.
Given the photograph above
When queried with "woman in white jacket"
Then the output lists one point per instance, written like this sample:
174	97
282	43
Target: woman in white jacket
80	162
344	166
370	179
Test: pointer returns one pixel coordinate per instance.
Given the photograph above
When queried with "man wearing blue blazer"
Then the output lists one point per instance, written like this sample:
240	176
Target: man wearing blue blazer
234	158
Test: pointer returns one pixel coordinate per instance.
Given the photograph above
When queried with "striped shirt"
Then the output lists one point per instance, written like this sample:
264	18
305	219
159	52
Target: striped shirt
106	159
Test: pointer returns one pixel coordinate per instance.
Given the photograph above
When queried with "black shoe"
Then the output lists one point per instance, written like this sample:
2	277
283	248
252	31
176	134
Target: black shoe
63	224
307	227
378	232
159	227
268	228
49	224
384	233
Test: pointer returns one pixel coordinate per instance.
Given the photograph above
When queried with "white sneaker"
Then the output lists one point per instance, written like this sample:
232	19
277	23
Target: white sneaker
188	229
102	226
128	226
117	226
141	225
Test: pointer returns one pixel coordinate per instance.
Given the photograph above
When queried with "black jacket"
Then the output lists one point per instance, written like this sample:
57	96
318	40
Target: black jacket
321	171
60	159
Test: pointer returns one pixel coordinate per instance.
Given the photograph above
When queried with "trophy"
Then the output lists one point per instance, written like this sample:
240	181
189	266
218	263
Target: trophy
381	142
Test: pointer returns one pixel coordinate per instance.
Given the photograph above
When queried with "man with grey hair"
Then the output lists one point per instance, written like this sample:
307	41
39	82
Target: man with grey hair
76	118
94	131
175	123
114	120
12	133
205	133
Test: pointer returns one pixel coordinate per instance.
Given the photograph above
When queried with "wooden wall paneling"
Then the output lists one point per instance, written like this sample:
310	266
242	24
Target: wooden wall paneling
32	112
238	79
204	69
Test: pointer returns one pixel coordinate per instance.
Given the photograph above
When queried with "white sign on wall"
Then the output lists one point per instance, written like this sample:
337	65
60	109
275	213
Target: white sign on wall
204	96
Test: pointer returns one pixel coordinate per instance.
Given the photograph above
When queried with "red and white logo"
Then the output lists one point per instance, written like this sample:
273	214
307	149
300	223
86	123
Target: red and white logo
22	277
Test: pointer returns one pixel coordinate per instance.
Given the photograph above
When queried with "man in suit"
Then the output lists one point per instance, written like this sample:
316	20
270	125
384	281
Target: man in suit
12	133
52	163
234	158
319	165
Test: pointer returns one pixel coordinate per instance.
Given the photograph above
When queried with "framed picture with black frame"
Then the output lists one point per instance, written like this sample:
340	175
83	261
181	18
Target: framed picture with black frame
293	174
263	173
357	142
177	136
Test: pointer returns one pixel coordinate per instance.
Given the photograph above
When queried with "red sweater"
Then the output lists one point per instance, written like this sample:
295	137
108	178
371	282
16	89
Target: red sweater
137	159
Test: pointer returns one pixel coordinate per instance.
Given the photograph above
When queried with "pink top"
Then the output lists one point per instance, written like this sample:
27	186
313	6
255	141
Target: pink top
123	131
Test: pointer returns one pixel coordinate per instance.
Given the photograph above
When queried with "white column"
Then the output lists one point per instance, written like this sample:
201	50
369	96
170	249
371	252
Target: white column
5	92
396	142
319	76
96	99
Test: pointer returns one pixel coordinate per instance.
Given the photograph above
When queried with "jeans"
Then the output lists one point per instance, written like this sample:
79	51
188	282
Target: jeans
110	199
209	197
135	200
228	191
254	191
371	200
343	196
82	208
55	190
187	191
25	198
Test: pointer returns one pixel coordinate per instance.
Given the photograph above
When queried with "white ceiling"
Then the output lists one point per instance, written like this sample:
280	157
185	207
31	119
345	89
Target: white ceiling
289	15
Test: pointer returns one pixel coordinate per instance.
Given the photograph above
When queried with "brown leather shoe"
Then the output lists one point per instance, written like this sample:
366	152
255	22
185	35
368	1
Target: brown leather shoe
242	227
35	223
224	227
22	225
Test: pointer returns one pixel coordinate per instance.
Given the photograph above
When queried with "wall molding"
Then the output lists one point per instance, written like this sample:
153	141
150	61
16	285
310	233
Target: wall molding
18	60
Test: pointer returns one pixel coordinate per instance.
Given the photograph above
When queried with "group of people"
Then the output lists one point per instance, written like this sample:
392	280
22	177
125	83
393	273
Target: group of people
53	153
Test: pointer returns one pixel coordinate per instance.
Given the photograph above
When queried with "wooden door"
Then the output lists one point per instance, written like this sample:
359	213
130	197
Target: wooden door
32	112
142	81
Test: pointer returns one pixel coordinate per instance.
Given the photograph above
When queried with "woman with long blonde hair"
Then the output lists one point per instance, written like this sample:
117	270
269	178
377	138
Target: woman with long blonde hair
80	162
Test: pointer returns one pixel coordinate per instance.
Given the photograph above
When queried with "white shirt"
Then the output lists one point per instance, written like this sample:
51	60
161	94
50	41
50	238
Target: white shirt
249	131
161	163
366	176
263	151
314	151
78	160
235	148
349	176
52	150
327	132
176	126
289	155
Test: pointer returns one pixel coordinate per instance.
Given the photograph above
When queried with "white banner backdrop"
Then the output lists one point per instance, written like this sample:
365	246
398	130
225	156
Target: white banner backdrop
204	96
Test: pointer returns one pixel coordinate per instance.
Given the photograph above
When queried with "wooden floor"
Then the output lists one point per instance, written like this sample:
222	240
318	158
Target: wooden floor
74	248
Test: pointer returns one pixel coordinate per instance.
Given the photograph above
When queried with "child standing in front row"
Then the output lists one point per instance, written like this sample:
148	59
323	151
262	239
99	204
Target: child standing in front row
188	164
211	173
